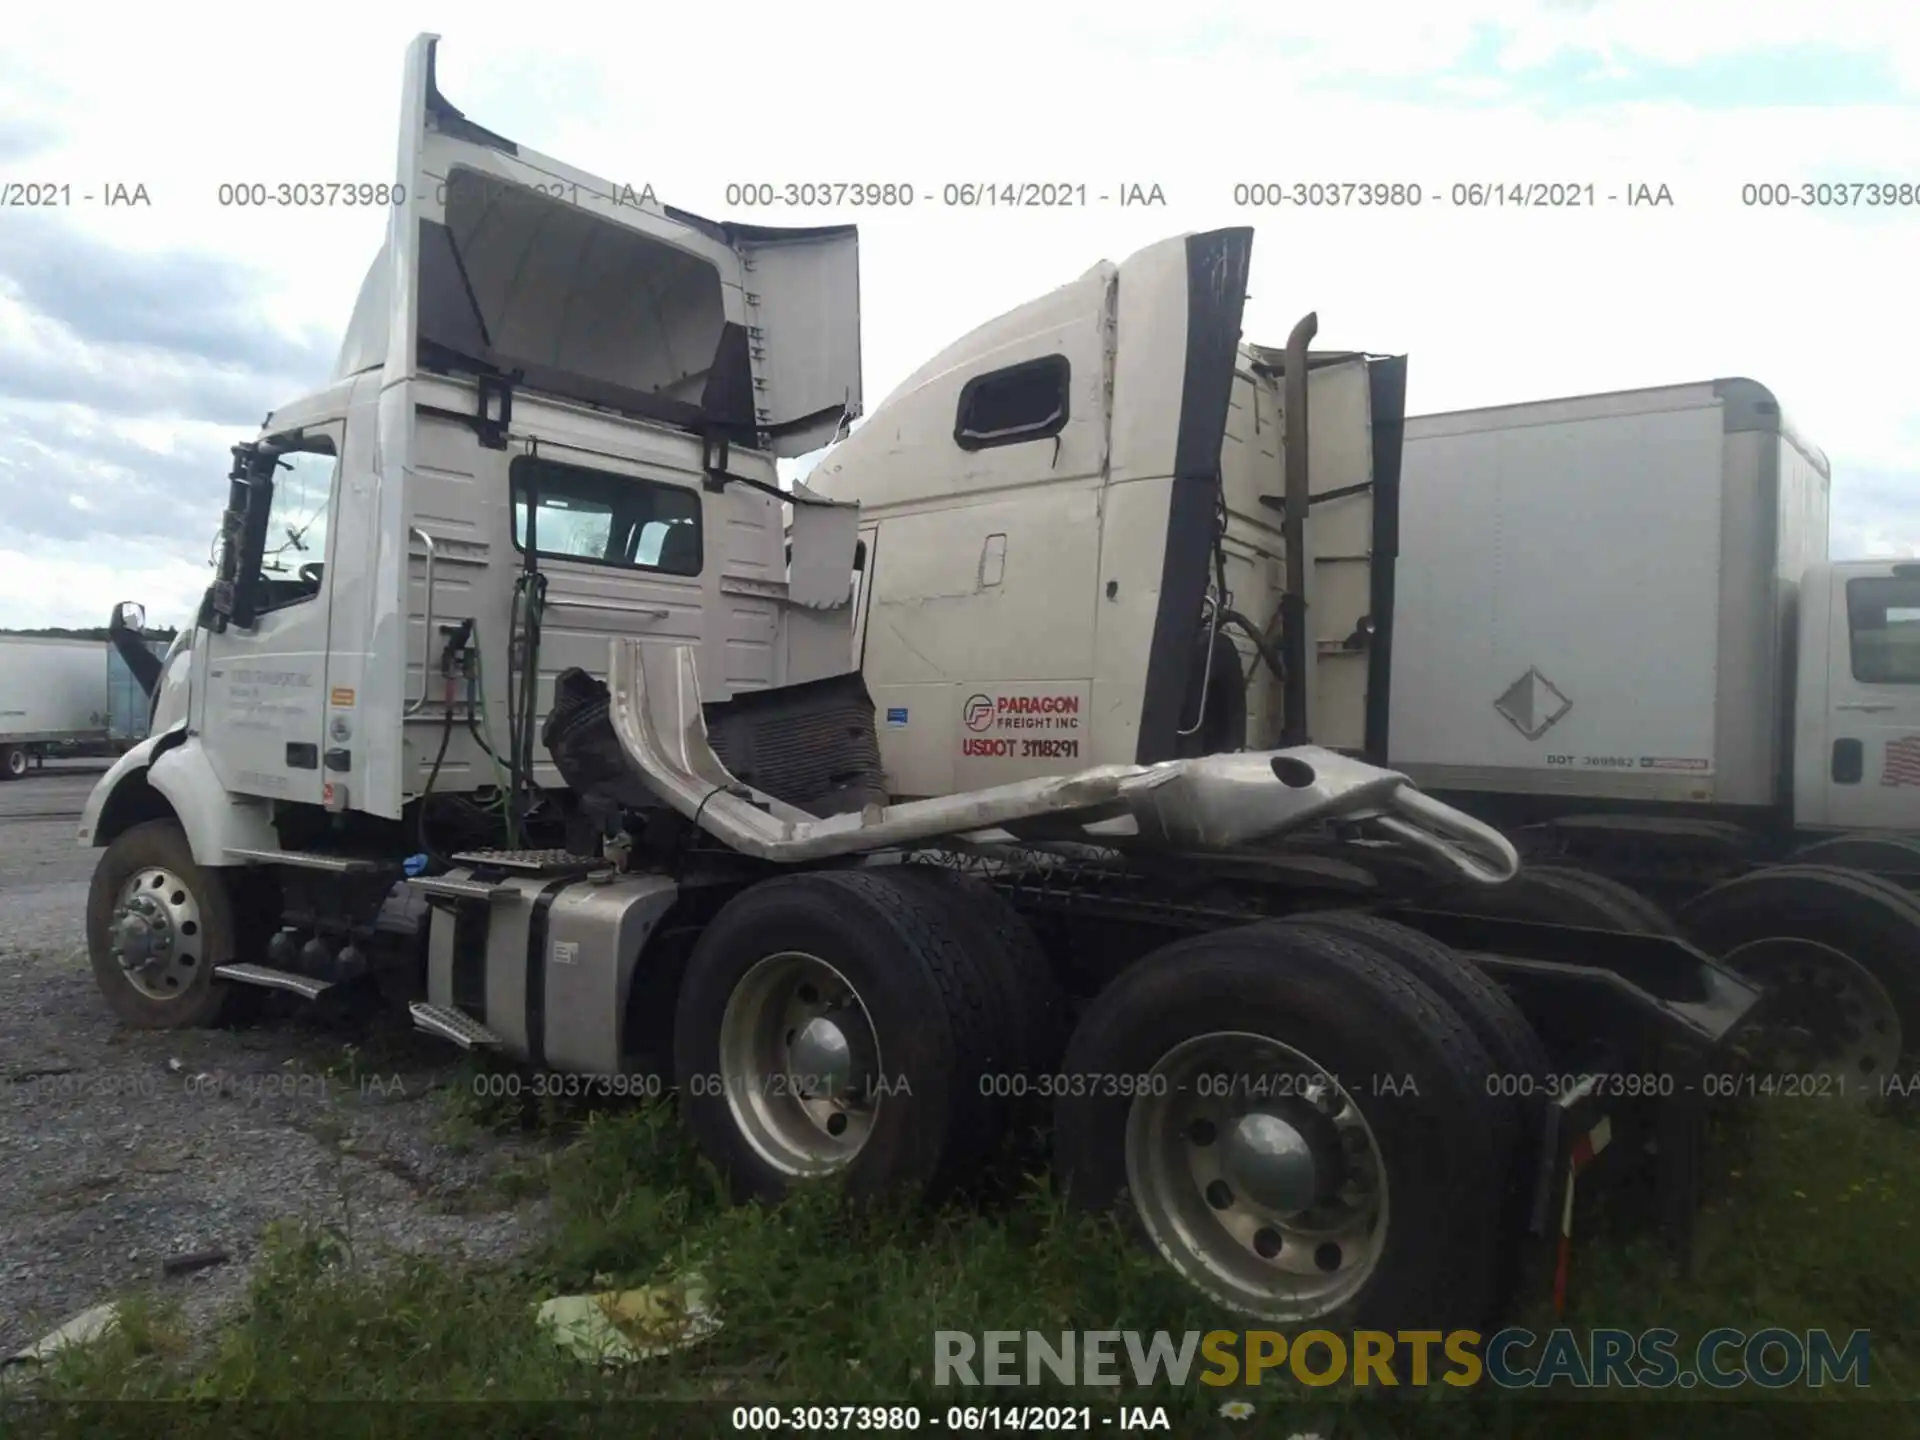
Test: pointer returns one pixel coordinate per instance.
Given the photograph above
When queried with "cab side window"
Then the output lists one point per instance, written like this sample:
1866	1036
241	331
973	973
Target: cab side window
292	563
1883	621
1020	402
605	519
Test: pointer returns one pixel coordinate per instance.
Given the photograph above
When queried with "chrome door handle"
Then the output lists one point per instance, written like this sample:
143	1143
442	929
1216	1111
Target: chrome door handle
426	654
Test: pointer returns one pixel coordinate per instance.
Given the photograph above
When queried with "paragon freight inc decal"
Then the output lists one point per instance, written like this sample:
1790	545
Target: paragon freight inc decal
1024	722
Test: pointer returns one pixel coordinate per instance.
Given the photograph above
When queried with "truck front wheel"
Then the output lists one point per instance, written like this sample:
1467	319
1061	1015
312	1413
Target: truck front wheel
1302	1128
13	761
157	925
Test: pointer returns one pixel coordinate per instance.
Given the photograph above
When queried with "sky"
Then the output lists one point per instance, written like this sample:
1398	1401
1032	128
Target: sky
139	342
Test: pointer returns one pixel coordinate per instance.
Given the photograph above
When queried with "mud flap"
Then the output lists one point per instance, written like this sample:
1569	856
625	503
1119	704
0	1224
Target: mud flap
1656	1141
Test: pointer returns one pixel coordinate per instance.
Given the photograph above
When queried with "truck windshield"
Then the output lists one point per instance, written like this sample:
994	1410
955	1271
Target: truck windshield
1883	617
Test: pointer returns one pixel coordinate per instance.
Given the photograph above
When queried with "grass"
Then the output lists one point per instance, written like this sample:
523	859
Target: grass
1810	1221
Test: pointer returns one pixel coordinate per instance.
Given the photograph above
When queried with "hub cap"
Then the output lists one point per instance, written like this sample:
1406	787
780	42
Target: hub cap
154	933
1827	1025
1257	1176
800	1063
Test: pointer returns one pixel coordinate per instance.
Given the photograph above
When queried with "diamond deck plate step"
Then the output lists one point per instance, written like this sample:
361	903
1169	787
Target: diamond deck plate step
530	862
451	1024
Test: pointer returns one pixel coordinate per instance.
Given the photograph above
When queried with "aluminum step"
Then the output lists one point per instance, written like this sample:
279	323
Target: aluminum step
306	860
272	979
447	887
451	1024
530	862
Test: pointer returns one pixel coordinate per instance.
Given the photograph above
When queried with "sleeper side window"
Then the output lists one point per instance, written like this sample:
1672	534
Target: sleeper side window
1028	401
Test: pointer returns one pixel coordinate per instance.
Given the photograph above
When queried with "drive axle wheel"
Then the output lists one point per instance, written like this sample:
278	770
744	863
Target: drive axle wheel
833	1024
1889	857
1827	1027
1259	1095
13	761
1286	1192
157	925
1872	923
799	1061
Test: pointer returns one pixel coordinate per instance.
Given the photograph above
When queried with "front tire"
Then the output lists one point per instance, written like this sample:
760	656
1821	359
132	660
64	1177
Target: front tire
13	761
157	926
1352	1173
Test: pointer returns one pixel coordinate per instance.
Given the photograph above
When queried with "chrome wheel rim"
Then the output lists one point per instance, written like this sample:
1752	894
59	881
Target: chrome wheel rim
800	1063
1828	1025
155	935
1257	1176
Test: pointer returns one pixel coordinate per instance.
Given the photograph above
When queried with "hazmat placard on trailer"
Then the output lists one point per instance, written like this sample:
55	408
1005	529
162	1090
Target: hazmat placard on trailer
1037	720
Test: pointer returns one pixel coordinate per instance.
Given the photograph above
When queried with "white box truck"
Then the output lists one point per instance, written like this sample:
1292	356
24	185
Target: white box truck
52	692
1617	630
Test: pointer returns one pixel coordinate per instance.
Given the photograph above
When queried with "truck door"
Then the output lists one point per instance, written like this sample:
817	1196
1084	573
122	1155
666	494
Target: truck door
1872	682
1873	689
258	700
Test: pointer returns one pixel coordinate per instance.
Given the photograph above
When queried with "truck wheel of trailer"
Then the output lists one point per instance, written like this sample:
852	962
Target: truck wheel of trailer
1838	953
13	761
836	1023
1647	917
1895	858
1302	1127
157	925
1558	895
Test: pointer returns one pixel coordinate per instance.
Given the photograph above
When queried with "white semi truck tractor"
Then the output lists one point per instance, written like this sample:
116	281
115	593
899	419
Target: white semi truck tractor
525	693
1620	637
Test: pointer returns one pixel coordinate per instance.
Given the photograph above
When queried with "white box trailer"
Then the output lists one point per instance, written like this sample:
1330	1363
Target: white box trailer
52	691
1615	629
1596	597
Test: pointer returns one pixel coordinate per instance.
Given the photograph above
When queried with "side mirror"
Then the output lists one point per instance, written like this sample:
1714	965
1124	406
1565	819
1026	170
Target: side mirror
130	615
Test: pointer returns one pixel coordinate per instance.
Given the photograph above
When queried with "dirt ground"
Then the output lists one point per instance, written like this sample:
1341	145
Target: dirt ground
122	1151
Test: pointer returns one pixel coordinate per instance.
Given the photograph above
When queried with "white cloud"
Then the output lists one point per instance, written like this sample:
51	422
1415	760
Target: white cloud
1491	305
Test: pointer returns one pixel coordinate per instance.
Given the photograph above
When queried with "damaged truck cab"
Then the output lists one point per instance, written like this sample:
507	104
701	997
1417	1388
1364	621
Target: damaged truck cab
527	693
1064	493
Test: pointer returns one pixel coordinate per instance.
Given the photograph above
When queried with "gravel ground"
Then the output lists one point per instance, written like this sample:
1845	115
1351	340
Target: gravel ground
121	1150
